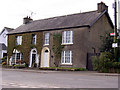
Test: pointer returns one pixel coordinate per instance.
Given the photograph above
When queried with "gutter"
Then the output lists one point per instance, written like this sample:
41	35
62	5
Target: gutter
49	29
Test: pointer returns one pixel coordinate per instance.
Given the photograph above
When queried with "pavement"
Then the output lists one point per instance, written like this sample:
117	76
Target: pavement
35	70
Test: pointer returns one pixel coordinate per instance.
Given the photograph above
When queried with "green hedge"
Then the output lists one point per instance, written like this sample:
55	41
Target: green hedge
105	63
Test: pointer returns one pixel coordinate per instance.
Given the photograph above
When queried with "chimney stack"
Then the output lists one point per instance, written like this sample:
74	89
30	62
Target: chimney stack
102	7
27	20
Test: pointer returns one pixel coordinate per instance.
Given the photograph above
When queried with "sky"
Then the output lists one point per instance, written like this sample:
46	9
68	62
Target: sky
13	11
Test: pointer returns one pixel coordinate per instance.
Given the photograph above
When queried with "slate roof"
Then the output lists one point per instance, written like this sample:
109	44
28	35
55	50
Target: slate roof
6	28
3	46
67	21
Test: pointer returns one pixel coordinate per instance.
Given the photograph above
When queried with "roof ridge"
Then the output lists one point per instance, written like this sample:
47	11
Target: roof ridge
8	28
64	16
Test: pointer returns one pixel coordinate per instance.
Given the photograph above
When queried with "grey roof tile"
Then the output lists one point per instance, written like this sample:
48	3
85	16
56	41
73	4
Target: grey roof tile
79	19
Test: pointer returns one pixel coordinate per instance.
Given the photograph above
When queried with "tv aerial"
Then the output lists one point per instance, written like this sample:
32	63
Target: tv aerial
31	13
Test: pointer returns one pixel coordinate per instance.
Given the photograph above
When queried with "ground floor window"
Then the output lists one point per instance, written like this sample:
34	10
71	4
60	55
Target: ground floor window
17	58
66	57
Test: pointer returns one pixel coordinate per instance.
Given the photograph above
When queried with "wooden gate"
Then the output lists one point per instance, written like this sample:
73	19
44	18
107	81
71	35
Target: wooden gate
89	65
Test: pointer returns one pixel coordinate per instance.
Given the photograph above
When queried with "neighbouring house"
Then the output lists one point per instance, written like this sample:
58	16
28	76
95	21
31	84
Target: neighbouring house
64	41
3	41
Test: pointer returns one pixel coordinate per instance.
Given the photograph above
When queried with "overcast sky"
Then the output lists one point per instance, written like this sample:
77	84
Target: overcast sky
12	12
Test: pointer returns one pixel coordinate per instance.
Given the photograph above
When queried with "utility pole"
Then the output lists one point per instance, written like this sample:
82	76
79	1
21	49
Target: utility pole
115	29
119	30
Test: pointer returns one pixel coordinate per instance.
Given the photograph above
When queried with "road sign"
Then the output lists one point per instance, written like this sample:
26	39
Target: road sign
112	34
114	45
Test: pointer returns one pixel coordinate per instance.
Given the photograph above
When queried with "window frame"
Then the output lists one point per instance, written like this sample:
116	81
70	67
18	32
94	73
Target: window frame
64	57
18	40
67	37
46	38
15	57
34	39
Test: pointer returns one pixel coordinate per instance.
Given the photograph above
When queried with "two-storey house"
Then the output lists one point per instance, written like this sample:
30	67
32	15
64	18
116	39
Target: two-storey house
63	41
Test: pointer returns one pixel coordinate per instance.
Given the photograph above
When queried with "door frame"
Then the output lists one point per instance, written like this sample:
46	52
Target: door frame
31	52
42	56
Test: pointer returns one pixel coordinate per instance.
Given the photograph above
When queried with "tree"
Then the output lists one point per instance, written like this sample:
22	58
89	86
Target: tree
107	41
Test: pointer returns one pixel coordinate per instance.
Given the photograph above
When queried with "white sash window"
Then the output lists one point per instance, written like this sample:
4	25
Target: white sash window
46	39
19	40
67	37
66	57
34	39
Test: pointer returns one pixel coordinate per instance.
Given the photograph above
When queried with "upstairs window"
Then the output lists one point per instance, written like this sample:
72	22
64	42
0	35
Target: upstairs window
34	39
67	37
19	40
46	39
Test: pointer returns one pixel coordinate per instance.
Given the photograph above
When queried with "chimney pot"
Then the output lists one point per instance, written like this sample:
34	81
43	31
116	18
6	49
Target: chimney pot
27	20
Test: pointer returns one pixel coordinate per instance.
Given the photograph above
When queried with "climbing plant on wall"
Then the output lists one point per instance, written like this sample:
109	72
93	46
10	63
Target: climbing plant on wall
26	46
11	45
57	47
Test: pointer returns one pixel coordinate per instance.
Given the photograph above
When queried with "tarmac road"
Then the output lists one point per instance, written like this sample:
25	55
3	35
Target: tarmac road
16	78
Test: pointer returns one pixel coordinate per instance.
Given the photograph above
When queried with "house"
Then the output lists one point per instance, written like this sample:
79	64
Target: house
3	41
64	41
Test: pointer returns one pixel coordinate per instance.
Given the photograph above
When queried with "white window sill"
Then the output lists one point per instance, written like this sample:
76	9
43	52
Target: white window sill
66	64
66	43
45	44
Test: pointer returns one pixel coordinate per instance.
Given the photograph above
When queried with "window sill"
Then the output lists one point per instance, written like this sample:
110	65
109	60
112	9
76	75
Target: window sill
66	43
66	64
45	44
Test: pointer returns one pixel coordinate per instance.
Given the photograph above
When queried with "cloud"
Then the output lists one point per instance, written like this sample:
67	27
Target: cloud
13	11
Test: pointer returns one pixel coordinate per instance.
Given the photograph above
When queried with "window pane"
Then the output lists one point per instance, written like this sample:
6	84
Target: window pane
62	57
63	37
67	57
13	58
18	56
18	40
67	37
21	56
33	39
47	38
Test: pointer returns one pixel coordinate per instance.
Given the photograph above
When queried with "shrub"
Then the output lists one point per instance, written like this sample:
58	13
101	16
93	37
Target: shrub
95	62
4	63
116	65
4	59
105	63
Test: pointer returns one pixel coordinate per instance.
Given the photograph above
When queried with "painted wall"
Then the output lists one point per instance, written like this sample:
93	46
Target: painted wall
3	37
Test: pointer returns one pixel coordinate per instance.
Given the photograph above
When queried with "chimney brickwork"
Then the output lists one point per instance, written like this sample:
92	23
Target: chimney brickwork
102	7
27	20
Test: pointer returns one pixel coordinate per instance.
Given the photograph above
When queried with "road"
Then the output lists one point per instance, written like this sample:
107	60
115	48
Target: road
12	78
